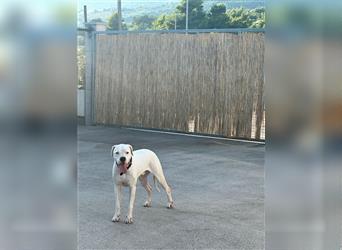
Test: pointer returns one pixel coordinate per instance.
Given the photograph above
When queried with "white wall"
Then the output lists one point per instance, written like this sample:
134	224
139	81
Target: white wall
80	102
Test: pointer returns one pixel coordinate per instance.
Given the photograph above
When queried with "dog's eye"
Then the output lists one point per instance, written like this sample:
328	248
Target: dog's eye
116	153
127	153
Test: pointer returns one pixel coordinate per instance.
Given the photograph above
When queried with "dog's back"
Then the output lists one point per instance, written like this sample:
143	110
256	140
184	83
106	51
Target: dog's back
147	156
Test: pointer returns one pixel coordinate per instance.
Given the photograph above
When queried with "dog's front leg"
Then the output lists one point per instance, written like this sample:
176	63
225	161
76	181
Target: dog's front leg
129	218
116	216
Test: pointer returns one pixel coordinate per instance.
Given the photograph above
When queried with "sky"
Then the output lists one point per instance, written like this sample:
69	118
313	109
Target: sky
38	11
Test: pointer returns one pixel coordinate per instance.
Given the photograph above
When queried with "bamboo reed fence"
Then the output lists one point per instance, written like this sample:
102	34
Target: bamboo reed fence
210	83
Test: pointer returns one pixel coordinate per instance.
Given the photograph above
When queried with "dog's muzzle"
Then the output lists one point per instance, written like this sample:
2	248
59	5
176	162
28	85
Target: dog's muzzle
123	167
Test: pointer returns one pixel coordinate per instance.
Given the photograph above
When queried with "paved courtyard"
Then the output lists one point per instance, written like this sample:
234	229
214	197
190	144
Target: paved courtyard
218	188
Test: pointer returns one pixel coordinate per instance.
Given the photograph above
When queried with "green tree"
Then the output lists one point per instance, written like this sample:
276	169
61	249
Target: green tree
217	18
197	17
113	22
143	22
257	17
81	65
258	24
245	18
164	22
238	18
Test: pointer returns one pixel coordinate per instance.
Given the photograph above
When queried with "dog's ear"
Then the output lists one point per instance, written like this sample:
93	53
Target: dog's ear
112	151
130	146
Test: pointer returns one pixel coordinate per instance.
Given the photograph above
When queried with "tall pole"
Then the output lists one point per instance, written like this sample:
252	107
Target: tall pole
187	15
175	21
119	15
85	13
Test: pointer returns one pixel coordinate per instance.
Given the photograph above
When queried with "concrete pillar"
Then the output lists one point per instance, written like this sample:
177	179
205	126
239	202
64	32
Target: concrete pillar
90	68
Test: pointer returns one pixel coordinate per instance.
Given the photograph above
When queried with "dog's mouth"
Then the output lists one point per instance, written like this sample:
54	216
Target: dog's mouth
122	168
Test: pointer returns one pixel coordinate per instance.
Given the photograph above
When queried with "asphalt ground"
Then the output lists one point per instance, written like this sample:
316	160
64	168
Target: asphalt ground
217	185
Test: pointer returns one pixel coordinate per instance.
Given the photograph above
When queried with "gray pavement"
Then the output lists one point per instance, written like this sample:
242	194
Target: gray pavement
217	187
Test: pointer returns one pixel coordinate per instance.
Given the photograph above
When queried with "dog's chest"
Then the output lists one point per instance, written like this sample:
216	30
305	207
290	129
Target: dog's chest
124	179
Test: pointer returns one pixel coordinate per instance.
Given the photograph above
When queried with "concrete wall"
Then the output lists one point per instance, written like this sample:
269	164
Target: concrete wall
80	102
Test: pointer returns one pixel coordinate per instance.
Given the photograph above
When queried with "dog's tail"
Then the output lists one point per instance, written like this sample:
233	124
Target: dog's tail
156	183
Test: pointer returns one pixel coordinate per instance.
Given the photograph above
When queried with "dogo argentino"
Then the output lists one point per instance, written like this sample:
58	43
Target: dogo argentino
127	168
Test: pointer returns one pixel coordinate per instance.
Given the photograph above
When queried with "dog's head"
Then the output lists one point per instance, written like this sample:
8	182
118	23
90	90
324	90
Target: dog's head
122	154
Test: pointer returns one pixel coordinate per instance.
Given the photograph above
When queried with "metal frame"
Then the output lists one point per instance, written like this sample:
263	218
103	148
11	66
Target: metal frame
93	73
190	31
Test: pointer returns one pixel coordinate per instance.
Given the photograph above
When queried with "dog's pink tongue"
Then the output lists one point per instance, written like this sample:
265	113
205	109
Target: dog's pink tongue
123	168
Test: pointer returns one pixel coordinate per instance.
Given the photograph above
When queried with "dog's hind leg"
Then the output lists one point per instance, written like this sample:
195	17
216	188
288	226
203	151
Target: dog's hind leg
146	185
161	179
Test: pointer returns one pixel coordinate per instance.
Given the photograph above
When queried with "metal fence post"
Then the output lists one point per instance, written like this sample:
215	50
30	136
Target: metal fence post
187	16
89	77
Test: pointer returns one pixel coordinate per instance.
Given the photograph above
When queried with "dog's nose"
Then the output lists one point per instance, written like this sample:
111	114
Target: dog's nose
123	159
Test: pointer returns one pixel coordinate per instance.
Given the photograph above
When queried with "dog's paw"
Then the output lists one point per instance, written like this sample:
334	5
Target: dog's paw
116	218
128	220
147	204
171	205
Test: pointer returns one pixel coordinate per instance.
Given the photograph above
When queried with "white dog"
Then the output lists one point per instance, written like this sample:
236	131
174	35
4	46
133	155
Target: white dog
127	168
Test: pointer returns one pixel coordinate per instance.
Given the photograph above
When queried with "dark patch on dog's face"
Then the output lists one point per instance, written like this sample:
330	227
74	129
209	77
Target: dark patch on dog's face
112	151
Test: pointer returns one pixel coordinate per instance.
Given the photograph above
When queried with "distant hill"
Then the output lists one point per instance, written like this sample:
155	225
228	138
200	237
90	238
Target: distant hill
130	9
